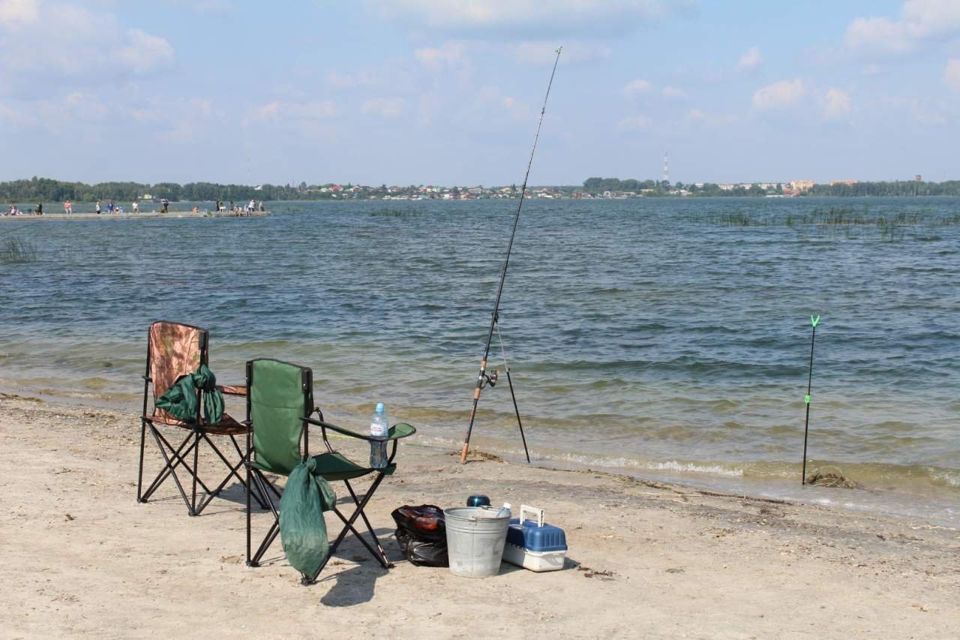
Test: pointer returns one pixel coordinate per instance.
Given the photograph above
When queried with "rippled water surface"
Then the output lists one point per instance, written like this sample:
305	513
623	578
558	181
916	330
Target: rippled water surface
661	337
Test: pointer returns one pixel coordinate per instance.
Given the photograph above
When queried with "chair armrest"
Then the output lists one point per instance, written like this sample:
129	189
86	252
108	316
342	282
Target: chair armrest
233	389
333	427
397	431
401	430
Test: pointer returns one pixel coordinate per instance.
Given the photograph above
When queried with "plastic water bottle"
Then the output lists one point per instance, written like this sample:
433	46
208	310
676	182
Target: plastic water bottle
504	511
379	428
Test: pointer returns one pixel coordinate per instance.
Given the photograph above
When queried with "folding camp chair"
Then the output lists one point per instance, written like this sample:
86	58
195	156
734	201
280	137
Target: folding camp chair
174	350
279	410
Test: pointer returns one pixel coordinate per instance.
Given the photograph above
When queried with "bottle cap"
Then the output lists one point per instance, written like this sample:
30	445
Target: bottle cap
379	408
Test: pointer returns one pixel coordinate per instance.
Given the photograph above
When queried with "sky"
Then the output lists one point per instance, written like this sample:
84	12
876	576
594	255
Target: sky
450	92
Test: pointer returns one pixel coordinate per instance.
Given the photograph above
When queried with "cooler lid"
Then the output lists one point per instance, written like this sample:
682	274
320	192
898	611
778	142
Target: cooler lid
534	538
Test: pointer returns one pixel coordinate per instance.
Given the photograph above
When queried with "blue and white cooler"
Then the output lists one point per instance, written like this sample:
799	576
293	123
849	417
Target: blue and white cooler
534	545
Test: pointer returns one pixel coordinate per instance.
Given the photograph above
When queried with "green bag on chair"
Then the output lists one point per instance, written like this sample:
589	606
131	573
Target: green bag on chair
303	531
180	400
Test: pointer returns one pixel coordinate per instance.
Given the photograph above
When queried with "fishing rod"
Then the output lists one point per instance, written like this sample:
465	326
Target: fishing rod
483	379
814	321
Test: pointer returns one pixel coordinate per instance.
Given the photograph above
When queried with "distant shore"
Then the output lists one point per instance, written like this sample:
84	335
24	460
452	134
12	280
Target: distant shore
136	216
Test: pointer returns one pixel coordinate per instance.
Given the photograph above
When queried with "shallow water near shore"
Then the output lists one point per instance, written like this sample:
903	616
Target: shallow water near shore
667	339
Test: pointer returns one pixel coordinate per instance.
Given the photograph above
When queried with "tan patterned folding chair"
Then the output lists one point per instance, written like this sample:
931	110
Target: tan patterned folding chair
174	350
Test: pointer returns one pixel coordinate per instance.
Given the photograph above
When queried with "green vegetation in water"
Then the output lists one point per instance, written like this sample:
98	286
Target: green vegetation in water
890	227
397	213
17	251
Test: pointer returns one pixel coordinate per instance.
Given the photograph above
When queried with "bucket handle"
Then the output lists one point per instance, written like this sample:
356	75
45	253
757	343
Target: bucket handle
534	510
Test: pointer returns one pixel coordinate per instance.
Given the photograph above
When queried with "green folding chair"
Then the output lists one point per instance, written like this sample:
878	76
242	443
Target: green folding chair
279	411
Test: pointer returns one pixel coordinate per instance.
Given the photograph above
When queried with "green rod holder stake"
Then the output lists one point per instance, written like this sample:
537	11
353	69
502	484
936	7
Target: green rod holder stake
814	321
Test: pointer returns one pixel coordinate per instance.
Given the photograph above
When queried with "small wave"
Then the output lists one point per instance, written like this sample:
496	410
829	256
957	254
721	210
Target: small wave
689	467
946	477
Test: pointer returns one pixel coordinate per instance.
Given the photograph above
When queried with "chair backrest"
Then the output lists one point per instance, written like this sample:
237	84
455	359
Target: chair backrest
279	394
173	350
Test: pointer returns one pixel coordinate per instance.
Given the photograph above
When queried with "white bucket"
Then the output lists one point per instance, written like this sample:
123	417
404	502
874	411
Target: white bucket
475	539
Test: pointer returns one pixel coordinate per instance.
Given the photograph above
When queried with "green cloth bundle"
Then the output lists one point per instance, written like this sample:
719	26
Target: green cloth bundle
303	530
180	400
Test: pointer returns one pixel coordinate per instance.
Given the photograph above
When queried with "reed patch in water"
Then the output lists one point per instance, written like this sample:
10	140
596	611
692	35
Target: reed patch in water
17	251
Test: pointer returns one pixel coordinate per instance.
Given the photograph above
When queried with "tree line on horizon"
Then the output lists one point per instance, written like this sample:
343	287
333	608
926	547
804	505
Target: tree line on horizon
894	188
49	190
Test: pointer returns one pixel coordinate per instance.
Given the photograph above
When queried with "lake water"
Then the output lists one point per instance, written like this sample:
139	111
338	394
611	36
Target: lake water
665	338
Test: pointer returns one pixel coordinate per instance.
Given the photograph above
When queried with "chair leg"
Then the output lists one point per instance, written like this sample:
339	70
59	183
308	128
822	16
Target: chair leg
382	555
274	530
196	470
232	472
246	485
171	462
261	500
178	455
143	436
348	526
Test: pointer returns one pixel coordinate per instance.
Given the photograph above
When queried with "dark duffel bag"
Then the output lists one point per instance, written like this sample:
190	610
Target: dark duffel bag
422	534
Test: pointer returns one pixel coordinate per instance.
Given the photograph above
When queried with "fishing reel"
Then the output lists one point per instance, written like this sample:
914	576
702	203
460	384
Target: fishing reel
489	379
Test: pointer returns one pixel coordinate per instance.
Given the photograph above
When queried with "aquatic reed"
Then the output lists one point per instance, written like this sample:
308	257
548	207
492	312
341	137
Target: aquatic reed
17	251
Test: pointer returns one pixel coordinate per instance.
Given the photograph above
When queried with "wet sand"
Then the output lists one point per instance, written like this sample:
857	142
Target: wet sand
83	559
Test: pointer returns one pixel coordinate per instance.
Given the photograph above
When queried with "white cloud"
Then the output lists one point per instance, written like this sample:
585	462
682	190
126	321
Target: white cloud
495	104
384	107
673	92
351	80
920	21
836	104
143	52
923	111
700	116
635	123
269	111
277	110
516	17
778	95
877	34
637	87
542	52
16	13
750	59
16	117
31	60
449	56
951	74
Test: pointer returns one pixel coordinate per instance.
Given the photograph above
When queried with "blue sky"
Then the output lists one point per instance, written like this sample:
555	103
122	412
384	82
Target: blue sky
448	92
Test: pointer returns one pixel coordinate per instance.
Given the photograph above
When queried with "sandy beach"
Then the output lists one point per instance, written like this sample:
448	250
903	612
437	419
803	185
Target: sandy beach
84	559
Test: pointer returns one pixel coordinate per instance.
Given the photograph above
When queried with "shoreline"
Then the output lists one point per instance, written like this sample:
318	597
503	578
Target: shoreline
691	563
888	490
144	215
